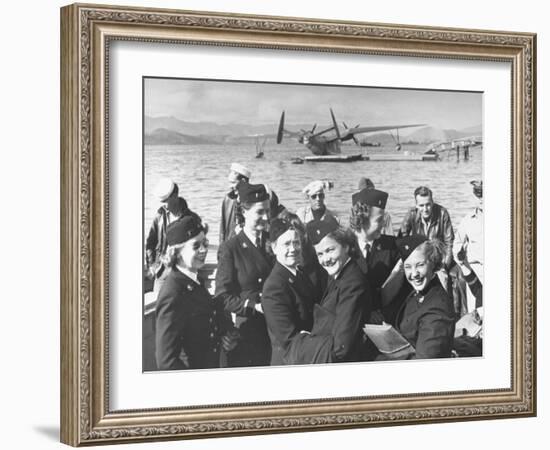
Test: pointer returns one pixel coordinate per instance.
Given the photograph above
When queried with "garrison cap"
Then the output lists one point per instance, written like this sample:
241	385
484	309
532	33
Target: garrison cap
370	197
318	229
478	188
277	227
182	230
408	244
252	193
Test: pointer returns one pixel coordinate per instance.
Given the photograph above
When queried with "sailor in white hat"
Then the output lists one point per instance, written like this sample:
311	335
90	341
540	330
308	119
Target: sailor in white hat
237	174
316	209
173	208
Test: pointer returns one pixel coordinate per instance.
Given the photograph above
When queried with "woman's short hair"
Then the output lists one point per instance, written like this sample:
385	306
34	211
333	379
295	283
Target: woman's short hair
346	238
295	224
170	257
359	217
241	208
434	250
295	221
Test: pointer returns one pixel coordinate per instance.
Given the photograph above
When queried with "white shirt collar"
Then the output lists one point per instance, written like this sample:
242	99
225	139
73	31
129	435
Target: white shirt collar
336	276
362	245
290	269
188	273
251	237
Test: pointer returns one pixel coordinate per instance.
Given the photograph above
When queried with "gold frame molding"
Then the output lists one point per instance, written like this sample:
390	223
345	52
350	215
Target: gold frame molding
86	31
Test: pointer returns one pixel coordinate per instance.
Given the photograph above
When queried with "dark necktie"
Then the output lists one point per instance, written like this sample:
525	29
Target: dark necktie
259	244
367	251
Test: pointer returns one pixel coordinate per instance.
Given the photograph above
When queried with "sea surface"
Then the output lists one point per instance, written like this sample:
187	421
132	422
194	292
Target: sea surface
201	173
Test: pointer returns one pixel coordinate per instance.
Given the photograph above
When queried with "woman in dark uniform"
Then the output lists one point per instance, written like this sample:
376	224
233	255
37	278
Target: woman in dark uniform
288	294
243	267
336	334
377	254
426	318
309	263
190	327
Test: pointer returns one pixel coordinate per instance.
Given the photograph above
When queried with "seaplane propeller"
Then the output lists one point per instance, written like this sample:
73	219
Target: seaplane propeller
335	125
352	135
281	129
321	145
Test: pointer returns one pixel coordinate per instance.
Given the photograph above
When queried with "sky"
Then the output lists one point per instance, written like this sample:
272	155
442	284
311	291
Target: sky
225	102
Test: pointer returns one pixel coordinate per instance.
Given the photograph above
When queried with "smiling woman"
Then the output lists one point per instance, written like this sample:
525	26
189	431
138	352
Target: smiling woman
190	327
243	266
347	301
426	318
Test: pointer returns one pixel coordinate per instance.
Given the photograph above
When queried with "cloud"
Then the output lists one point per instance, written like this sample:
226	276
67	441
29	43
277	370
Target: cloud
260	103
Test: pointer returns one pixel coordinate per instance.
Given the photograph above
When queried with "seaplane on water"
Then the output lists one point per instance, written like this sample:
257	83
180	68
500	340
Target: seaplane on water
325	144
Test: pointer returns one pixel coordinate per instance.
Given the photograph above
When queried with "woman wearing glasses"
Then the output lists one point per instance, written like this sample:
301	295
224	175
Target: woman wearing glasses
316	210
191	328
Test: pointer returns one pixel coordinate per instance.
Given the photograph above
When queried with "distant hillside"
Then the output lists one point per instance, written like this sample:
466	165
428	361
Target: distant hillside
425	135
162	136
473	131
210	128
172	131
431	134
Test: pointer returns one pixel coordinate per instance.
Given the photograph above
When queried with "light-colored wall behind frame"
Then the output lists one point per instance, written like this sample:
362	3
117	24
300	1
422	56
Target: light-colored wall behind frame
29	183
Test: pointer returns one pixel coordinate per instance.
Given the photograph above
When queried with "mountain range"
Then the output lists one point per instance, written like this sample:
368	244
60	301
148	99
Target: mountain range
173	131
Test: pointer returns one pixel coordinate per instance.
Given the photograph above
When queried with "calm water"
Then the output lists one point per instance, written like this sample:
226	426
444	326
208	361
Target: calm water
201	173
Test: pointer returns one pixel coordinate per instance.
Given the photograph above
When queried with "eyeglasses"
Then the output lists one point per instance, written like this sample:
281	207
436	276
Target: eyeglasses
318	195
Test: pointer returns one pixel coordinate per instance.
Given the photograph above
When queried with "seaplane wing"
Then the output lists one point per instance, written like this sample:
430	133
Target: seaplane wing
359	130
292	134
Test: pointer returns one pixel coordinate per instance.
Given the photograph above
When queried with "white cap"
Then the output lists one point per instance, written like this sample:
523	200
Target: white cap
316	186
240	169
164	189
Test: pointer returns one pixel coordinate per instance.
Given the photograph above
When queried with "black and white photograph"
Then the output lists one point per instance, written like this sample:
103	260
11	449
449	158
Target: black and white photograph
291	224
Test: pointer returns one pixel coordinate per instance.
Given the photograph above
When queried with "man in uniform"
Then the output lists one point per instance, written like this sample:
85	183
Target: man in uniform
429	219
468	249
237	174
387	228
173	208
316	209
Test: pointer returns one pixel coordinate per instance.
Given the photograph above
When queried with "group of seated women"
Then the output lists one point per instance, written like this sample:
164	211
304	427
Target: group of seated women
288	293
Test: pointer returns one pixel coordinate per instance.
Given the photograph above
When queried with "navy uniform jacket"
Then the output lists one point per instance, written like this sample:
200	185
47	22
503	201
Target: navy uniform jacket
381	260
242	271
287	301
228	220
189	325
318	276
336	335
427	321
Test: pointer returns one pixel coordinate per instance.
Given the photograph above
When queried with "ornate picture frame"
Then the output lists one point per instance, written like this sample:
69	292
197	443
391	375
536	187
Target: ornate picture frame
87	31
